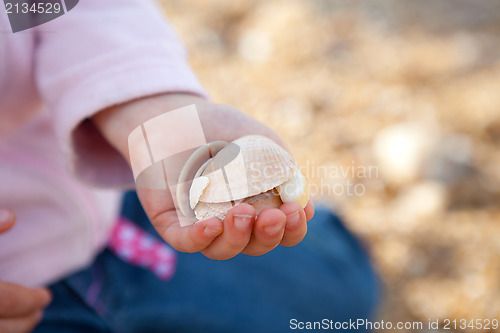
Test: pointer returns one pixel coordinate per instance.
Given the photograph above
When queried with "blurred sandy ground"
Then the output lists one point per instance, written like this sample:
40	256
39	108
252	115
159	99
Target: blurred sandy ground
410	88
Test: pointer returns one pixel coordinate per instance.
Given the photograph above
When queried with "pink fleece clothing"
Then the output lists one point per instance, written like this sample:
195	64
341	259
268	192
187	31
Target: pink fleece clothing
52	159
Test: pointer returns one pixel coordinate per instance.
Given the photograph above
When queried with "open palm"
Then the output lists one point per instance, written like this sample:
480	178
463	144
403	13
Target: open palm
240	232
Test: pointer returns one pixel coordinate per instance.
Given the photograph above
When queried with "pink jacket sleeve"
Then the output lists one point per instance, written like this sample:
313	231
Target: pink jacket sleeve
100	54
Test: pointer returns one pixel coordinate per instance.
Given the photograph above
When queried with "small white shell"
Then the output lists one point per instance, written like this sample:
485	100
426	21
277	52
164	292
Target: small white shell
197	187
294	189
192	169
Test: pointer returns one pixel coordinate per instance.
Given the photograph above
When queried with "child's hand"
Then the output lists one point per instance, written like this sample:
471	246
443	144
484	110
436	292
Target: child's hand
20	308
239	232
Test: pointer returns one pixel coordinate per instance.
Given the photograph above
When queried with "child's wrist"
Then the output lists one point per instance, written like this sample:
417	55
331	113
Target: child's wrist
116	123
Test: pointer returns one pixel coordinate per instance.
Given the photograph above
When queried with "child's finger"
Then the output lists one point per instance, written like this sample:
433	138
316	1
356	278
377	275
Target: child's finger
309	210
296	224
22	324
267	232
193	238
17	301
238	226
7	219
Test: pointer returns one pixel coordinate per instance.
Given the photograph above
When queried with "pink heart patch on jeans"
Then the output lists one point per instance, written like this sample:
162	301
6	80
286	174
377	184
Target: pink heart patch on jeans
135	246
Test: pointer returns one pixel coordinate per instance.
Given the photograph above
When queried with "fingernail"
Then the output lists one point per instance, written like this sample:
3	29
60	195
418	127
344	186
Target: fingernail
212	228
6	216
242	221
293	218
273	229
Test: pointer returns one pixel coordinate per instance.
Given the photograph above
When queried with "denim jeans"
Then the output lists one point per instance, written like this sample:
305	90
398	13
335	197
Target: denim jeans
327	276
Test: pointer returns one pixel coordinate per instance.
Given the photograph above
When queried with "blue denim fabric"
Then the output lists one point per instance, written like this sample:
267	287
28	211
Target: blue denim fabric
328	276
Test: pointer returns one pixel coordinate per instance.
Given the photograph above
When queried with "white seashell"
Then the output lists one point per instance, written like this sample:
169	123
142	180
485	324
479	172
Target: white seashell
252	169
191	170
251	165
197	187
294	189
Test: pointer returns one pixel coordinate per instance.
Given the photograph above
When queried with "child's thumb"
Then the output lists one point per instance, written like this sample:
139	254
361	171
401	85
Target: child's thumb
7	219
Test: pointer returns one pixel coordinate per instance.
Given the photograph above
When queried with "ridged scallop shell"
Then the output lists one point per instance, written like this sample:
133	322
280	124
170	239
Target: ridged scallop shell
250	166
252	169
